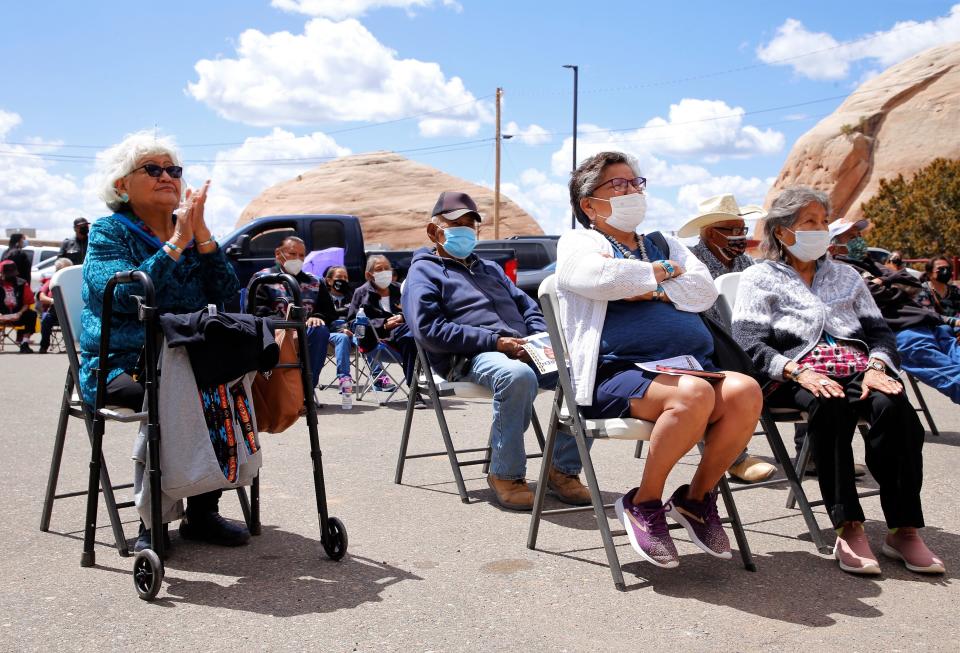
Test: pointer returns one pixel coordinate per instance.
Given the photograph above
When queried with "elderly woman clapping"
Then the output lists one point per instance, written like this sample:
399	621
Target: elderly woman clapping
811	325
625	299
142	185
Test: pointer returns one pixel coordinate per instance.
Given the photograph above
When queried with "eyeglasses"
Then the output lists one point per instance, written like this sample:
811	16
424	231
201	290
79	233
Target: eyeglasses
620	184
733	231
155	171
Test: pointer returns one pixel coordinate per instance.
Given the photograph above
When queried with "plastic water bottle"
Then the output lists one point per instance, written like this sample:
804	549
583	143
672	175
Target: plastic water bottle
346	396
361	324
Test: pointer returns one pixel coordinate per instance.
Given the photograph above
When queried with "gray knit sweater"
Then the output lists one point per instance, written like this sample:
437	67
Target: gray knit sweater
778	318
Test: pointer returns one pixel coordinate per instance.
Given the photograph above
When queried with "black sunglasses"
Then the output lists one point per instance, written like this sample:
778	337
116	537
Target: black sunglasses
620	184
154	170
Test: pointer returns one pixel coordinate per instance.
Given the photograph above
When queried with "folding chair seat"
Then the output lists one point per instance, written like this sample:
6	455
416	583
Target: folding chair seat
573	423
436	388
68	302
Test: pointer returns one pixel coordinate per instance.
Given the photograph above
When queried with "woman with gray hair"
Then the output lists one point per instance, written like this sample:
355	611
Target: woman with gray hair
628	298
812	327
142	185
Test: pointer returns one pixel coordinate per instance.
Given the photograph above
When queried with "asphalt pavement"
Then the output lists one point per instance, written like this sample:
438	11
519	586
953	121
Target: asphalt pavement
425	572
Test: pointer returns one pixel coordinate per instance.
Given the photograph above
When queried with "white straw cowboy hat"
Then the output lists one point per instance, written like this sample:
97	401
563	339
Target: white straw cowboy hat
718	209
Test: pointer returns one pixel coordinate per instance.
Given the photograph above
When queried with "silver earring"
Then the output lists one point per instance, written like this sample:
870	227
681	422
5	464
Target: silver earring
124	198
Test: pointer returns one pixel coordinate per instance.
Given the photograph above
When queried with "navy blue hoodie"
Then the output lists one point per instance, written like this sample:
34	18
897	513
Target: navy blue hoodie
463	308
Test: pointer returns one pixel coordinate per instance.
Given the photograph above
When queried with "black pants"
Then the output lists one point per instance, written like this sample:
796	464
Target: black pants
124	391
894	445
28	320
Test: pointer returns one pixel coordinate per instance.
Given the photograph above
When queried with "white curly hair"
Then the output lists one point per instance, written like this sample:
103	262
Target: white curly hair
120	160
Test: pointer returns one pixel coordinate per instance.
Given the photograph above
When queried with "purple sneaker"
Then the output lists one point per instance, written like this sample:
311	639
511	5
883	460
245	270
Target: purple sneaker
646	524
701	520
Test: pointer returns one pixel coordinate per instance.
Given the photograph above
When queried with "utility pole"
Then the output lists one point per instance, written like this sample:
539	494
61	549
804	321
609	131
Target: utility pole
576	75
496	183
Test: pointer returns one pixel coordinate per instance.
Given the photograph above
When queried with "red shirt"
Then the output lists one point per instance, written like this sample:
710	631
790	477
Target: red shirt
10	296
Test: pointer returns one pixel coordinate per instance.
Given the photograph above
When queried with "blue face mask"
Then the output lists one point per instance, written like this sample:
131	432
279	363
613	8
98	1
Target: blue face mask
459	241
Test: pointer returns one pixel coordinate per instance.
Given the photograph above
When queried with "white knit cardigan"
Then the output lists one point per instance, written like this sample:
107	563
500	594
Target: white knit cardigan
588	276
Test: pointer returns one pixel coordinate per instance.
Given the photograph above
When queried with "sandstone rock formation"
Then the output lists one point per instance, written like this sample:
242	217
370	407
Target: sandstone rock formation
390	194
896	123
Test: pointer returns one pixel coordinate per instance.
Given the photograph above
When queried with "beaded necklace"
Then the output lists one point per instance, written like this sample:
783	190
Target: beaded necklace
624	250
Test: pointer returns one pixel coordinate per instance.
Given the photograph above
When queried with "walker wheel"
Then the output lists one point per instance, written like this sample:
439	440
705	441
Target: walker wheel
335	540
147	574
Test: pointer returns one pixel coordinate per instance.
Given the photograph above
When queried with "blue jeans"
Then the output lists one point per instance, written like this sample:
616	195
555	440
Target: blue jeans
317	339
932	355
514	385
341	353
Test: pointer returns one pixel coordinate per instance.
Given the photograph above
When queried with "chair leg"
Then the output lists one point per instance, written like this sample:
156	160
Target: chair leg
800	465
541	490
923	405
638	450
255	528
110	503
745	554
407	423
783	459
448	442
599	511
56	459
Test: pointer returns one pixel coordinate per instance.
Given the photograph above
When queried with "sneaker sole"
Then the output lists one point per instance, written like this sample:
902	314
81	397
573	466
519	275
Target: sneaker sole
675	515
621	515
890	552
857	571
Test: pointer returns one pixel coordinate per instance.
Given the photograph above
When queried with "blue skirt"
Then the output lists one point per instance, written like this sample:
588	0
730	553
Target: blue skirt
617	383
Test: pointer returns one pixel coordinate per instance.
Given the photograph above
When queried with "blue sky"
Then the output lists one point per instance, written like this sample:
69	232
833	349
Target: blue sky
709	96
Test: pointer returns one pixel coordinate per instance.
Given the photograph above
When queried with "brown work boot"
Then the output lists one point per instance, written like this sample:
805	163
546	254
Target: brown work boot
567	488
511	494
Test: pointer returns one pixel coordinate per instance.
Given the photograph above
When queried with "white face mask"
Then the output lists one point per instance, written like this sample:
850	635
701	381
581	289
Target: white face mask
810	245
627	211
383	279
293	266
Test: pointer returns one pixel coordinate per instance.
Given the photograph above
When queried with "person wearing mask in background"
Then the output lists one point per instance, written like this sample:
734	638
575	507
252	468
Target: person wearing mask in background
379	298
338	285
75	248
20	258
926	340
272	300
15	301
472	321
895	262
723	249
48	318
938	293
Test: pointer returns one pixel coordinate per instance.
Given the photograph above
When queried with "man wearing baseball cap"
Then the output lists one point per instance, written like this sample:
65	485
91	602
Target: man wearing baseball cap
75	248
472	321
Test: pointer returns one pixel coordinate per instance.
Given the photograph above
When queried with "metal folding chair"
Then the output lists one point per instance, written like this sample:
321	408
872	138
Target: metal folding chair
435	388
66	289
566	417
384	357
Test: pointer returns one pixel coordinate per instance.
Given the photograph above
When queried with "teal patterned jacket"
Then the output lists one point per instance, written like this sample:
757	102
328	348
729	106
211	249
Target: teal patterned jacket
122	242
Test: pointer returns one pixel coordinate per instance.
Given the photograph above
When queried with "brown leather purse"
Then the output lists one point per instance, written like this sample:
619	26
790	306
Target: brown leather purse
278	394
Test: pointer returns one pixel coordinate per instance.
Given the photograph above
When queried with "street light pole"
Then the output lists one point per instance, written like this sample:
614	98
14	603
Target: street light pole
496	183
576	76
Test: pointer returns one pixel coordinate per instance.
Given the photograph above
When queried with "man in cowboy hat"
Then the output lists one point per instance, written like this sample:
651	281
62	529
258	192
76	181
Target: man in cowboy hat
722	248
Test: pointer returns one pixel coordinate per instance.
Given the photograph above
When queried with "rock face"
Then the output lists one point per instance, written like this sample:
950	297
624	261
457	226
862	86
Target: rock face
896	123
391	195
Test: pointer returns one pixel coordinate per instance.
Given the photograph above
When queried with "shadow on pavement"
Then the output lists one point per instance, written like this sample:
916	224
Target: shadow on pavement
279	573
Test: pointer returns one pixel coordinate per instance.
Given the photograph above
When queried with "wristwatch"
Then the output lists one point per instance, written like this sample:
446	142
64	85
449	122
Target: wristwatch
874	364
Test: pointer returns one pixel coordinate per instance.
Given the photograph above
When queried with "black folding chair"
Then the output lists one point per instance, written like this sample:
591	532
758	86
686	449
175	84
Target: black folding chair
566	417
435	388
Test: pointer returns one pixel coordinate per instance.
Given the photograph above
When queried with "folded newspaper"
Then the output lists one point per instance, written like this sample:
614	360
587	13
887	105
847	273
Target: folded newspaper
541	352
685	362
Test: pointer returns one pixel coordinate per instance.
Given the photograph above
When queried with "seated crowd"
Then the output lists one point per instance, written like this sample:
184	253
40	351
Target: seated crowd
817	326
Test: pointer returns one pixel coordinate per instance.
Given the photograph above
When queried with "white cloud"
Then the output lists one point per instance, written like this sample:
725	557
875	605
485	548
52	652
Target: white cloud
747	190
332	71
705	129
532	135
32	194
241	173
340	9
826	58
